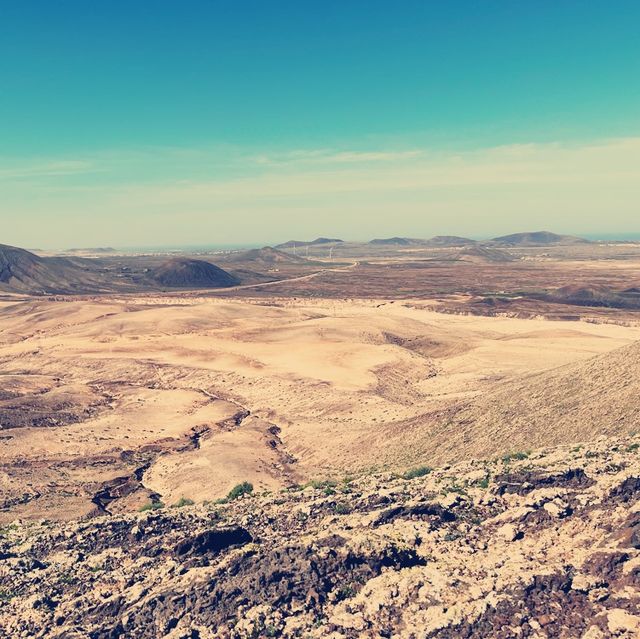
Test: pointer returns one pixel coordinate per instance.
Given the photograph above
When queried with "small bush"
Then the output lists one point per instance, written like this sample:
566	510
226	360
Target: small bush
342	508
245	488
8	529
632	448
151	505
518	456
454	487
420	471
322	484
183	501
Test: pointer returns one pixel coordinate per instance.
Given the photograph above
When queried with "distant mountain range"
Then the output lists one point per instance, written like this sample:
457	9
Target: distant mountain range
266	256
531	238
22	271
537	238
438	240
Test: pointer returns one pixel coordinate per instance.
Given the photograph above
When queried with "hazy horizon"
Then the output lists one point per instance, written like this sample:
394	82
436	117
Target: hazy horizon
252	124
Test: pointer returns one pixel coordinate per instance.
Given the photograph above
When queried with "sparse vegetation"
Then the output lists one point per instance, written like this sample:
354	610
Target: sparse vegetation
151	505
4	531
454	487
183	501
342	508
484	482
517	456
419	471
239	490
322	484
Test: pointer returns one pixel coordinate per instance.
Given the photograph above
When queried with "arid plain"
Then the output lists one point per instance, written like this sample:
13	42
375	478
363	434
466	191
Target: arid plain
111	400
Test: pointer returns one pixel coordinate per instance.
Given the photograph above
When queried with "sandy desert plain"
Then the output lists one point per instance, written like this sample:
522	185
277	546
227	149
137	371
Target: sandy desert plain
334	387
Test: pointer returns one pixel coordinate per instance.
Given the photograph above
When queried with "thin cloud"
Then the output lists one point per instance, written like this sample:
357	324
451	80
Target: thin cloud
328	157
46	169
585	187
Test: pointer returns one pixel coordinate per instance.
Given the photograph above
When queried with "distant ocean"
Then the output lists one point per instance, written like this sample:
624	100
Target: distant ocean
197	248
625	237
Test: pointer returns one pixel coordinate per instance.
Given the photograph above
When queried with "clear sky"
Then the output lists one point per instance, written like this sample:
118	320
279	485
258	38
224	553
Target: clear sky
152	122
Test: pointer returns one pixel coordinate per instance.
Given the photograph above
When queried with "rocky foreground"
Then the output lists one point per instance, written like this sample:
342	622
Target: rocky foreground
545	544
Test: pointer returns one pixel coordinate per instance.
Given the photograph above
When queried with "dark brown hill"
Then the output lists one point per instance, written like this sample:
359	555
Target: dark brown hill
187	273
25	272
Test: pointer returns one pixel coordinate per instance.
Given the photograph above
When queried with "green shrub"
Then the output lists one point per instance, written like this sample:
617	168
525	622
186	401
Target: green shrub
454	487
420	471
151	505
183	501
342	508
245	488
322	484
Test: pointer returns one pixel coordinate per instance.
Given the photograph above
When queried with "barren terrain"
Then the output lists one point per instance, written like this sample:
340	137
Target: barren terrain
540	545
411	438
108	403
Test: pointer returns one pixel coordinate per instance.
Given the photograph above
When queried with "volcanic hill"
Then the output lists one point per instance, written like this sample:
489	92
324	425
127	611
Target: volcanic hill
537	238
189	273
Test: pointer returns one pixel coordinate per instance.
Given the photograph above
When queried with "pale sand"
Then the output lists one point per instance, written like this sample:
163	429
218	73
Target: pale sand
337	378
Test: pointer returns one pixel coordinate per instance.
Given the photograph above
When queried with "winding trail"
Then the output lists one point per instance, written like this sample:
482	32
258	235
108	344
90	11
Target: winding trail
299	278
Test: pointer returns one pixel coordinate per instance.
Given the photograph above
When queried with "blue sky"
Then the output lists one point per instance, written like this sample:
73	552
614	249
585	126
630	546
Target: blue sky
222	122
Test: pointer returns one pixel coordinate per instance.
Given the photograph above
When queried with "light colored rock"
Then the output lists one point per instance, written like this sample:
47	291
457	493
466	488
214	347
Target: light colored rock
507	532
619	621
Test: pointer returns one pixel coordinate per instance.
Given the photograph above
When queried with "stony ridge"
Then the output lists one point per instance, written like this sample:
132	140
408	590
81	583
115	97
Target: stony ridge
543	544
